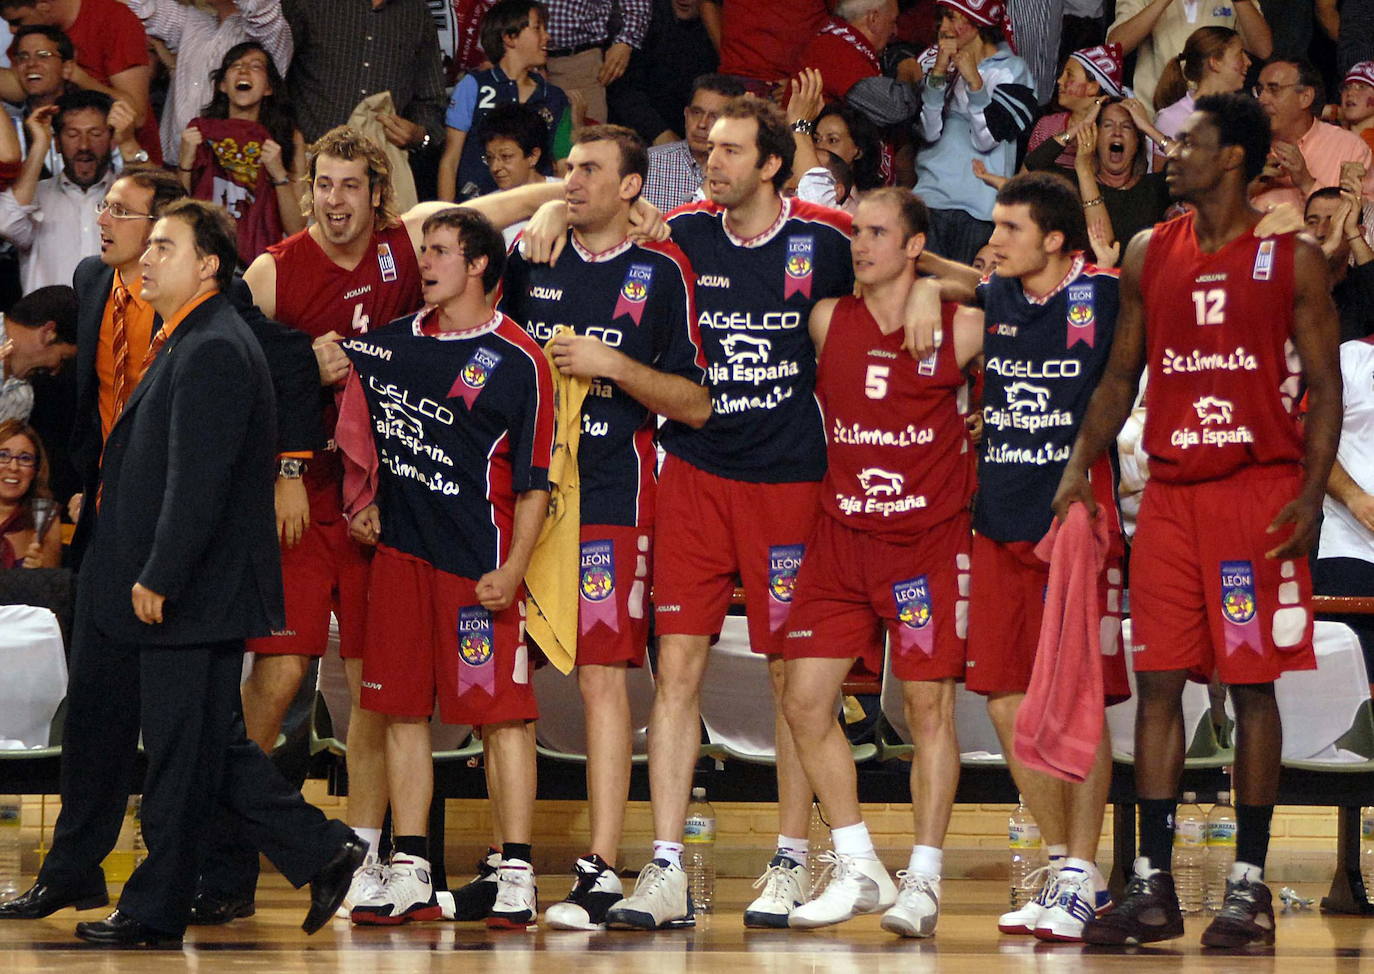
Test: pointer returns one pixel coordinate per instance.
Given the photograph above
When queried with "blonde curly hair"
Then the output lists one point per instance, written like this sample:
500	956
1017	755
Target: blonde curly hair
348	143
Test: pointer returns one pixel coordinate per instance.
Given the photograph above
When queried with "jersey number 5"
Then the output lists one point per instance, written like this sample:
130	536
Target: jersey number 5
875	382
1210	306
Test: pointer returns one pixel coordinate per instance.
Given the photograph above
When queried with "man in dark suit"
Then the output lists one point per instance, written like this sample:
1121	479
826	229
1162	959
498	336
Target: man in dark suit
182	566
103	682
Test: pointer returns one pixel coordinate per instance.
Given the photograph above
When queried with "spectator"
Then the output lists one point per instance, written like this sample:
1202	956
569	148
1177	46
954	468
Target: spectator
111	54
39	336
1089	77
585	54
30	533
514	141
1084	26
1034	29
199	35
53	221
846	49
347	50
245	153
1307	152
515	39
1333	218
676	169
1355	34
43	60
1159	29
1213	62
658	85
980	112
847	134
1357	101
1120	197
468	55
761	43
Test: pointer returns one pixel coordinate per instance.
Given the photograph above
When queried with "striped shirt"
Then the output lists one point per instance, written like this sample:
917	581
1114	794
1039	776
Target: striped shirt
674	176
573	23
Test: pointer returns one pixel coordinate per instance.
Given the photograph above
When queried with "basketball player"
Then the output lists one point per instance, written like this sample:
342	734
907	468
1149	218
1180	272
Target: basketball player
1047	318
1231	327
449	415
890	553
637	340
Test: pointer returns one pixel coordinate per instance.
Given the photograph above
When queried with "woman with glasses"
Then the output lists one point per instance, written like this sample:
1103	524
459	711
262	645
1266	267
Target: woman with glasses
30	536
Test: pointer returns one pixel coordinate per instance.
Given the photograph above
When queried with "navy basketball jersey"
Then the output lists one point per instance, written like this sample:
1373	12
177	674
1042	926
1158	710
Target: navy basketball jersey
637	299
1044	357
754	299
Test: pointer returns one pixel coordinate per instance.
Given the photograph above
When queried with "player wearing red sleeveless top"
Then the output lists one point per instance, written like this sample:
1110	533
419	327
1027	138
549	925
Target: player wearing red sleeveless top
890	552
1219	581
354	268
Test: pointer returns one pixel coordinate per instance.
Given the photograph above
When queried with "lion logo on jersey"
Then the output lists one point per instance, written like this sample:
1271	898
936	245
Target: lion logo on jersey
474	635
1237	591
783	563
798	266
598	571
634	292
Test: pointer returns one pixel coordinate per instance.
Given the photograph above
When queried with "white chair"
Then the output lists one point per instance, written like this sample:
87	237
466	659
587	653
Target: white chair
737	697
977	737
35	680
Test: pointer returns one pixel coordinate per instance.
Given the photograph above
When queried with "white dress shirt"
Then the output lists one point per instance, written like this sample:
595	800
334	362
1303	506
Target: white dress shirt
55	231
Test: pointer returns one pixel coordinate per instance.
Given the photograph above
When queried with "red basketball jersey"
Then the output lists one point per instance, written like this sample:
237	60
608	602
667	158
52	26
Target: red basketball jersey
318	296
898	450
1223	374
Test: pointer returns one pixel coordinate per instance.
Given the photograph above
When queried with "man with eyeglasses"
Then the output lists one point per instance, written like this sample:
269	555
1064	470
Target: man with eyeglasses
42	62
1307	153
52	221
676	169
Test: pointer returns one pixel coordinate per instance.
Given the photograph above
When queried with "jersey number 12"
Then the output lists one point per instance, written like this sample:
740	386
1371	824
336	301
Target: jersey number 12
1210	306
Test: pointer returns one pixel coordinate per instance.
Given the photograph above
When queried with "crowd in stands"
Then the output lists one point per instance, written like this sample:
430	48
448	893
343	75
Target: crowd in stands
360	120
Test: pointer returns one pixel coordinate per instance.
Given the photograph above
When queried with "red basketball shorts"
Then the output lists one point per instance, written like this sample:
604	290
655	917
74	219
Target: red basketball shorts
613	595
326	571
710	530
1204	597
852	587
1006	608
428	637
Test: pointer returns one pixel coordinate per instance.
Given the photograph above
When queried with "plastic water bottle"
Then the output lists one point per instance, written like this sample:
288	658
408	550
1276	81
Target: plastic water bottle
1367	851
819	836
1221	850
1023	843
10	861
1189	854
699	855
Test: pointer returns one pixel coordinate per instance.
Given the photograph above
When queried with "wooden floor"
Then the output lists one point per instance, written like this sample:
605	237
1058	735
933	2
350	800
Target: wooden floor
967	942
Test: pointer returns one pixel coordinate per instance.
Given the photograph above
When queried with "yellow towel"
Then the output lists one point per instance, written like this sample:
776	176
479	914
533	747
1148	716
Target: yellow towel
553	576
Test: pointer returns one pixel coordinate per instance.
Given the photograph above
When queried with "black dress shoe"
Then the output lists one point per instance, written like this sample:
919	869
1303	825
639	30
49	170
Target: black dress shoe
330	885
41	900
209	910
118	930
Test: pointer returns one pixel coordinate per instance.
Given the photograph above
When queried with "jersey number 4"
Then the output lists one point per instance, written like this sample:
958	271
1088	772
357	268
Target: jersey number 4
360	320
875	382
1210	306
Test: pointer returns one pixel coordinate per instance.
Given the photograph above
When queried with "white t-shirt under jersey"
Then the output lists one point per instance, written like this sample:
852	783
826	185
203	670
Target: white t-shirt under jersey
1342	535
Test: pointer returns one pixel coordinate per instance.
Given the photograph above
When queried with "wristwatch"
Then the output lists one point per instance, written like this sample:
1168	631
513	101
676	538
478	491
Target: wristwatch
805	126
139	157
290	468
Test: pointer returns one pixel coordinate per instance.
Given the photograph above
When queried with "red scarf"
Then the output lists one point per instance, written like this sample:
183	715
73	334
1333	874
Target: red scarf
842	30
226	171
9	558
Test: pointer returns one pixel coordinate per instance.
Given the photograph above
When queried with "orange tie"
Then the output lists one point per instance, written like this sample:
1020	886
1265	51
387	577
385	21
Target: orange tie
154	346
120	346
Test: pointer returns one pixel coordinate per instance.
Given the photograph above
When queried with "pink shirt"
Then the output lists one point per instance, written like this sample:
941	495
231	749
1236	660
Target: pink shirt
1324	148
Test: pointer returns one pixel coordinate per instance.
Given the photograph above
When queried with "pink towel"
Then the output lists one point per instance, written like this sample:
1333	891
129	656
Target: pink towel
1059	724
353	436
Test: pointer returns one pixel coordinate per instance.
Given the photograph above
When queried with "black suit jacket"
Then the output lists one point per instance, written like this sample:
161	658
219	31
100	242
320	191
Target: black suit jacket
187	507
290	359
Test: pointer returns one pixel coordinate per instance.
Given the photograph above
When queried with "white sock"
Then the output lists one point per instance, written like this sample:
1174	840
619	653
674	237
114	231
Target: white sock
1245	871
1057	852
373	838
926	860
853	840
671	851
794	848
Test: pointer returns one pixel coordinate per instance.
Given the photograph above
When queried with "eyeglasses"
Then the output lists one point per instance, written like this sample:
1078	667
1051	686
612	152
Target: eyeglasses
23	57
505	158
119	212
1273	89
23	459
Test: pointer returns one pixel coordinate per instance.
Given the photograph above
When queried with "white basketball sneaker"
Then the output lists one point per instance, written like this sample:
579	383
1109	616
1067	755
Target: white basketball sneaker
784	884
368	880
517	896
659	900
856	886
407	895
917	909
1024	919
596	888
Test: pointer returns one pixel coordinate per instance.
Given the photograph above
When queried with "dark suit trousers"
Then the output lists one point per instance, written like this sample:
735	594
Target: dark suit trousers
199	759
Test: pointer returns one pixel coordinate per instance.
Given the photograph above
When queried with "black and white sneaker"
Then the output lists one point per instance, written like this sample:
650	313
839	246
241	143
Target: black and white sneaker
474	901
596	888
